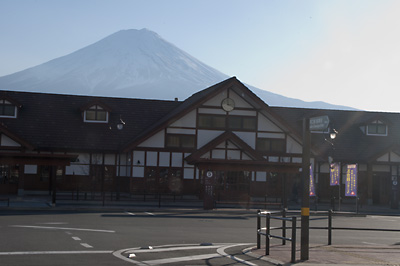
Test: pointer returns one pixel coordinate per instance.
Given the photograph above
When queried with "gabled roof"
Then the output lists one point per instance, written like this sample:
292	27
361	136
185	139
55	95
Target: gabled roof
226	136
351	144
96	102
4	96
25	144
55	121
201	97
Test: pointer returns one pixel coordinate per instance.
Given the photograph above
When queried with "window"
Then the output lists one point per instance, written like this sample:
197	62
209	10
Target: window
180	141
221	122
96	114
242	123
212	121
377	128
7	109
271	145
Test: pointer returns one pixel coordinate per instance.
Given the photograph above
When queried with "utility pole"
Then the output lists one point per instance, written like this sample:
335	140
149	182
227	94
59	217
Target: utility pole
305	202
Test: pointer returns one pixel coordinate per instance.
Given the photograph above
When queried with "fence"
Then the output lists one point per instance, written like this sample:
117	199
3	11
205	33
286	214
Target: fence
109	197
268	234
330	228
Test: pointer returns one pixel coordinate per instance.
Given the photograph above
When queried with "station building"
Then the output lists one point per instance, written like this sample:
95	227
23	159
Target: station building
54	142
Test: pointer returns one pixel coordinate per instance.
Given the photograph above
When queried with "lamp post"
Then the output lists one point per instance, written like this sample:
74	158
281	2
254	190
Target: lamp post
120	127
305	201
319	123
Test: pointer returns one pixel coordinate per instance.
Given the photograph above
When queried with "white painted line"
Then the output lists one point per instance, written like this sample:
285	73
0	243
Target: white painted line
222	252
174	249
76	238
149	213
86	245
54	223
63	228
180	259
54	252
130	213
373	244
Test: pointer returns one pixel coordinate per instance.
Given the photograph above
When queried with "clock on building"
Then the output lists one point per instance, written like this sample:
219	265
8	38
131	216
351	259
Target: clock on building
228	104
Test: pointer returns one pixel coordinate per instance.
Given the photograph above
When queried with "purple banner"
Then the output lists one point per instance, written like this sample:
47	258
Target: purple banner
351	181
312	187
335	174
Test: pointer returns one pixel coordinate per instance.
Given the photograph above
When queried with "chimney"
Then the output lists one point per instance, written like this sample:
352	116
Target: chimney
176	99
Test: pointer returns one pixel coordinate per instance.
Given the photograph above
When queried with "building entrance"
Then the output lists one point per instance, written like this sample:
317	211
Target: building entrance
232	185
9	176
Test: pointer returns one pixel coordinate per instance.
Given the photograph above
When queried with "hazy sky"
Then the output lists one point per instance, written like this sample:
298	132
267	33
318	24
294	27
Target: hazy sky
342	52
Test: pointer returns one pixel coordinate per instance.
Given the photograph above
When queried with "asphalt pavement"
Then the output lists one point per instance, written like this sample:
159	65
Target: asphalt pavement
278	255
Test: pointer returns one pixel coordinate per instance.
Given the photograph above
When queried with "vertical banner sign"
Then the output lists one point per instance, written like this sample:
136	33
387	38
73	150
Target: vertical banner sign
351	181
335	174
312	187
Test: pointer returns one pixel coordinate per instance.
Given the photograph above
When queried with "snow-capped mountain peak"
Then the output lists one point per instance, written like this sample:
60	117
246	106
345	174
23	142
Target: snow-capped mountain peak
129	63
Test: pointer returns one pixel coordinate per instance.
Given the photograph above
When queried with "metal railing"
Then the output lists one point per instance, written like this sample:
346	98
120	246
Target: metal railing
267	231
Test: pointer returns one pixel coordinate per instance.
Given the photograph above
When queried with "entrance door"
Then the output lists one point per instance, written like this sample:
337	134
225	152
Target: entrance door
381	188
9	176
233	185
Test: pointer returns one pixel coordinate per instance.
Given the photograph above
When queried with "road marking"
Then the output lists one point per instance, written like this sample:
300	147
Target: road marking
149	213
86	245
54	252
373	244
223	253
54	223
172	249
130	213
76	238
63	228
168	248
180	259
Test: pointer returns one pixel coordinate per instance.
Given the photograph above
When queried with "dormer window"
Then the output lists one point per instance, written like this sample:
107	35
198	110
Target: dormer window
96	114
377	128
7	109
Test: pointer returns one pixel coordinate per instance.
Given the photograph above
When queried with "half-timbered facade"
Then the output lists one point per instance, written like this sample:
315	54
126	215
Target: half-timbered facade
64	142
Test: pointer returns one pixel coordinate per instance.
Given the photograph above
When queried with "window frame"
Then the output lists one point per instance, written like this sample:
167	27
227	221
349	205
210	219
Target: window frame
242	122
180	137
271	144
6	103
212	122
212	118
96	108
377	124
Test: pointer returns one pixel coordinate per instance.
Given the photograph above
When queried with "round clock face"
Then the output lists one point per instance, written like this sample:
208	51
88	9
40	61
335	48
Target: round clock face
228	104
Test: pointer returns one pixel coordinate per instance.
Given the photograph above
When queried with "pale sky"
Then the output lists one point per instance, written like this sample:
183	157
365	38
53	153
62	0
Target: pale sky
344	52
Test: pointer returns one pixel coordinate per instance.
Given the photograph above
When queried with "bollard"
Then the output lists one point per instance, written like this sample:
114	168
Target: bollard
284	227
258	229
330	227
267	231
293	257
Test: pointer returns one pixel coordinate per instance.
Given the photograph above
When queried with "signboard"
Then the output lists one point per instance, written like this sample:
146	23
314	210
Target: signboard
208	200
312	187
319	123
335	174
351	181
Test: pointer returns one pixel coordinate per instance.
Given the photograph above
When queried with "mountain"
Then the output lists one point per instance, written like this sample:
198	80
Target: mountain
131	64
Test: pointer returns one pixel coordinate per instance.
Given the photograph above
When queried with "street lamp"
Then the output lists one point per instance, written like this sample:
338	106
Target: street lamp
333	134
120	126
